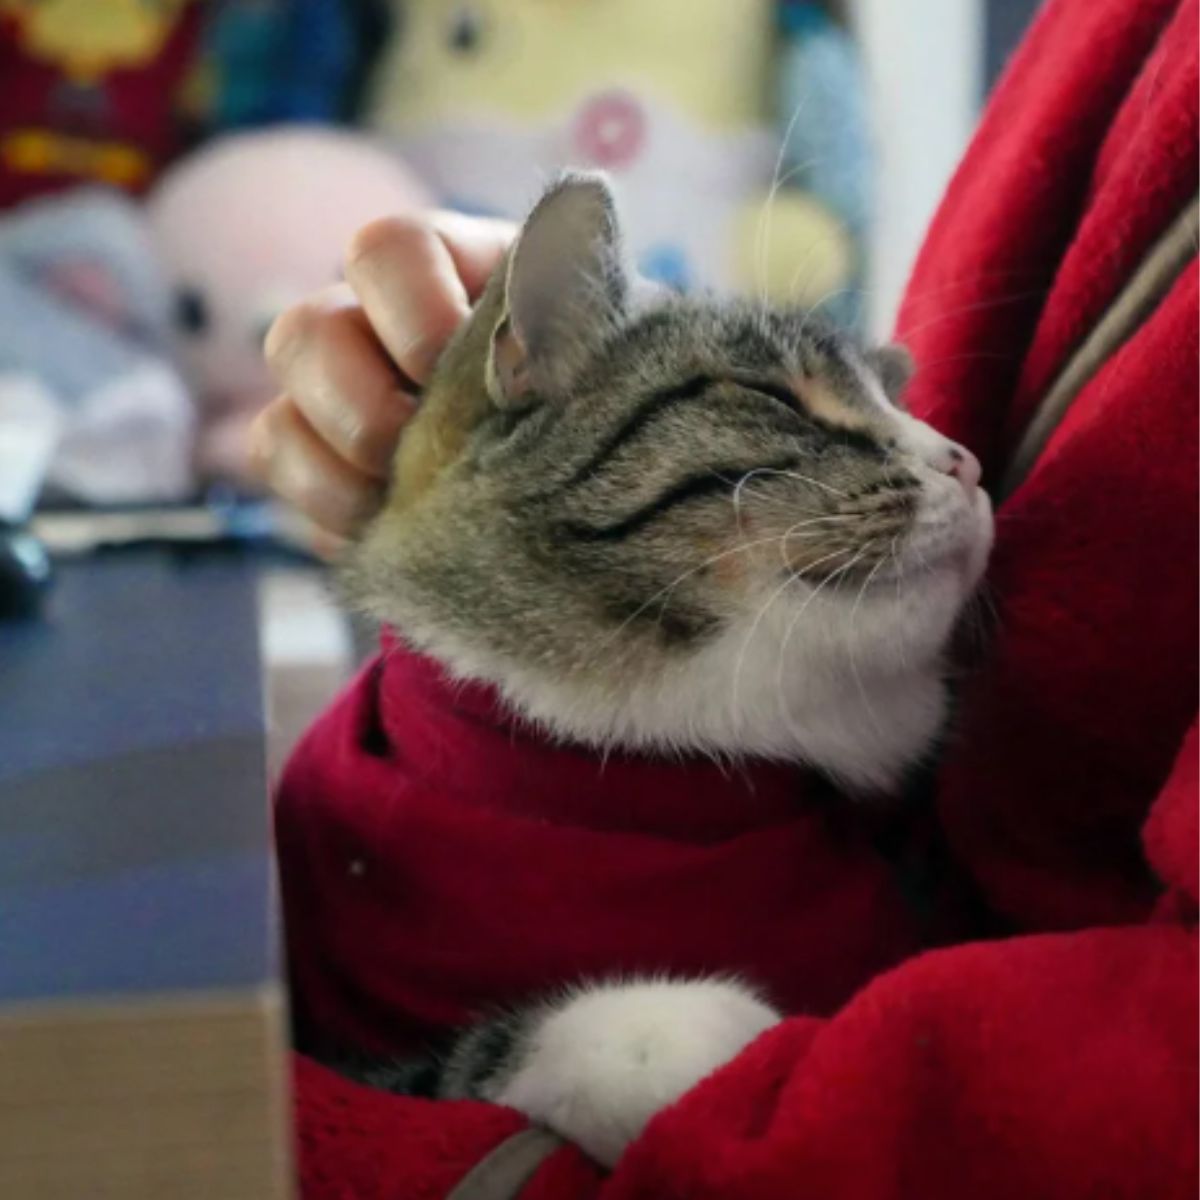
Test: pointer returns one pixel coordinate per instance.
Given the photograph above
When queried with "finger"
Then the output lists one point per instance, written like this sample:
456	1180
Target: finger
288	454
415	280
295	529
476	245
410	290
324	355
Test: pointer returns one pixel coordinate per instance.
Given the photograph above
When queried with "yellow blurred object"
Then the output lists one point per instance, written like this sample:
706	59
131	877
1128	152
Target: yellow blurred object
523	59
88	38
672	97
40	152
793	249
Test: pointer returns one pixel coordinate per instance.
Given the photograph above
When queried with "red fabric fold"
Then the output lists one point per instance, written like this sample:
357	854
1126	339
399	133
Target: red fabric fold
440	858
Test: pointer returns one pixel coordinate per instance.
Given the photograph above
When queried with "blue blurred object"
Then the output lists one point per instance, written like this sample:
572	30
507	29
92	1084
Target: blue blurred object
666	263
823	116
281	60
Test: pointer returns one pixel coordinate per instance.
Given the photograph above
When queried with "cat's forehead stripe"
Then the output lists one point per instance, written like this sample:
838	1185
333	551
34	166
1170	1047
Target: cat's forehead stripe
829	405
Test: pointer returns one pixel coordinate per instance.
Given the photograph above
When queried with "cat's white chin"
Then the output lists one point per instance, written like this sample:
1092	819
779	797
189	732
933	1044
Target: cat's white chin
851	683
842	699
863	730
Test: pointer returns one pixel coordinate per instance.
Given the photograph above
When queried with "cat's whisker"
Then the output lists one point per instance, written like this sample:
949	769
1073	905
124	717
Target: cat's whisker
830	295
784	706
988	601
981	615
736	501
921	558
762	229
794	577
793	287
975	306
664	592
858	680
817	483
737	493
763	244
810	312
737	497
781	538
837	519
894	552
941	315
964	283
973	356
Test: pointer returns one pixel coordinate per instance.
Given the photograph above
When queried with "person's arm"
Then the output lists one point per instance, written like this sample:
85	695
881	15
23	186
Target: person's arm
1059	1066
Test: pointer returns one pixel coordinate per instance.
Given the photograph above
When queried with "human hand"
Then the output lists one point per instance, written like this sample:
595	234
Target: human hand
350	362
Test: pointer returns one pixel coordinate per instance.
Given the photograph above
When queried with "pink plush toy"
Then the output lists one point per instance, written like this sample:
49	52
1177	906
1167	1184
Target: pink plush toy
245	226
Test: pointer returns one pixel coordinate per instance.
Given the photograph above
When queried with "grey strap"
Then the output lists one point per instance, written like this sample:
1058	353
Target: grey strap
1146	287
508	1168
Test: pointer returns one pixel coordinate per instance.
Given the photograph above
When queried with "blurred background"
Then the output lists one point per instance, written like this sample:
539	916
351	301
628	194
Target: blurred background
174	172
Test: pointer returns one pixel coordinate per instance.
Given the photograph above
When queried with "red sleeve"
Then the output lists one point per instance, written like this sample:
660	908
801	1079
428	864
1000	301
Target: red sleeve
1057	1066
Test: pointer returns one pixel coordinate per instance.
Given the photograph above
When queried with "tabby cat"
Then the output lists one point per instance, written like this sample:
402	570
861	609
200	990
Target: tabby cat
667	524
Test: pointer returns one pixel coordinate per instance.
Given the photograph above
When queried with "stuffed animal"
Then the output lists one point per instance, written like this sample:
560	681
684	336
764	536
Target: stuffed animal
92	91
83	326
674	99
245	226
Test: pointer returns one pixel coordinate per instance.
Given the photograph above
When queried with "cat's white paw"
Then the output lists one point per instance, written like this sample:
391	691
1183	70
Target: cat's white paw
601	1063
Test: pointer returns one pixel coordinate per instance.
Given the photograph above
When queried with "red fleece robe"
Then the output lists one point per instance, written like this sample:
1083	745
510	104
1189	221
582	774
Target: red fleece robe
433	856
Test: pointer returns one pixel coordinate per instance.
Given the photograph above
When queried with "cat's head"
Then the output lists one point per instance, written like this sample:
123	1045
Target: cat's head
676	522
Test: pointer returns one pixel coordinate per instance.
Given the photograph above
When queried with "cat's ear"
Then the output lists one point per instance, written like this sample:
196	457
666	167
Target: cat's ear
894	367
566	286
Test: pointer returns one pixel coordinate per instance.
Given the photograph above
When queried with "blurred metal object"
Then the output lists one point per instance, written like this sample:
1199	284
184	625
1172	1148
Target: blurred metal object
25	574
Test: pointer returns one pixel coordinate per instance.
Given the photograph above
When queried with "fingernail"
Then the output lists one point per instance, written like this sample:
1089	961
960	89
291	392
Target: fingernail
282	339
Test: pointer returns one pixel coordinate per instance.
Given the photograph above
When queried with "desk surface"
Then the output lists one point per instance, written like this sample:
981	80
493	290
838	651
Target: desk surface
134	831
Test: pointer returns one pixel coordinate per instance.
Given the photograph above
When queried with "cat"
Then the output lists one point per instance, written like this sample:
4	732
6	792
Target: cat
673	525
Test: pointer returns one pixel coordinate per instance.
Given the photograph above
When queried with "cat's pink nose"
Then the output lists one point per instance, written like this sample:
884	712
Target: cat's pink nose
959	463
